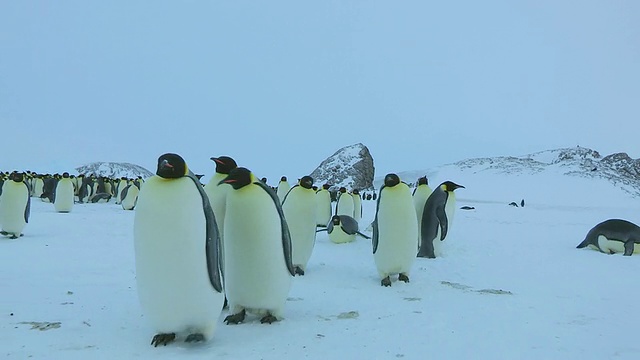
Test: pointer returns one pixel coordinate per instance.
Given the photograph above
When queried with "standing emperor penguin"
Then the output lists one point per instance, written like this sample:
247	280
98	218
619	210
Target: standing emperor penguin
122	183
283	188
323	209
217	191
15	205
395	231
420	195
343	229
299	208
357	204
344	205
257	245
63	195
437	218
177	254
38	185
129	196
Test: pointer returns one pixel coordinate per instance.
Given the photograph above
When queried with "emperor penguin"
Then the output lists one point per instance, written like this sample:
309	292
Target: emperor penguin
217	191
122	183
63	195
15	205
395	231
420	195
129	196
38	185
48	188
437	218
343	229
323	209
257	244
357	204
177	254
283	188
299	208
344	204
613	236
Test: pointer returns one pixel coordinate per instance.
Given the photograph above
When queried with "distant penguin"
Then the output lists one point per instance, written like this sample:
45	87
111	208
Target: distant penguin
122	183
176	251
48	188
513	203
258	268
64	198
129	197
357	205
283	188
84	193
437	218
343	229
100	198
613	236
299	208
38	185
522	203
15	205
395	231
420	195
344	204
323	206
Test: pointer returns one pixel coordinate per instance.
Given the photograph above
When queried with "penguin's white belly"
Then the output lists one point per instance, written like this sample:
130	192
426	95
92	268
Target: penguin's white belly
38	187
419	200
131	199
323	210
256	276
608	246
338	236
300	212
12	206
397	234
282	191
171	267
344	205
357	207
64	196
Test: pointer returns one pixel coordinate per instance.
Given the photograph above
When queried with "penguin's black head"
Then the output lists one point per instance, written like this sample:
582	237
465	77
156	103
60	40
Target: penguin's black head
315	188
355	192
306	182
326	186
264	180
16	176
284	178
450	186
171	166
343	190
237	178
335	219
65	175
224	164
423	181
391	180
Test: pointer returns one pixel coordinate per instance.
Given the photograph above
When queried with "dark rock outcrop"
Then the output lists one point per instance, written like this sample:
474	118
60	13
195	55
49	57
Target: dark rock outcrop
351	167
114	170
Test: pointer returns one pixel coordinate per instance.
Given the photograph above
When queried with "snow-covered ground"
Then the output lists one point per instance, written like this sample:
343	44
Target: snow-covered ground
511	285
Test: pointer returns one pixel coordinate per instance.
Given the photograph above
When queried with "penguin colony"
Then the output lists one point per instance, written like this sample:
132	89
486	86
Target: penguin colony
241	242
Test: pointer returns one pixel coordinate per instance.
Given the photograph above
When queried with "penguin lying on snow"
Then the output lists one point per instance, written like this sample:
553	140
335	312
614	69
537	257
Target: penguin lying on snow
613	236
342	229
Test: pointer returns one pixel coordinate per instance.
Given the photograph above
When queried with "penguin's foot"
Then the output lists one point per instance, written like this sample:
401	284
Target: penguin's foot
428	256
385	282
298	270
162	339
13	236
194	338
268	319
226	303
403	277
235	318
4	233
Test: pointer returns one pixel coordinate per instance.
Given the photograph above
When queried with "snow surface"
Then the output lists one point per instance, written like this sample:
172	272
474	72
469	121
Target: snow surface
511	285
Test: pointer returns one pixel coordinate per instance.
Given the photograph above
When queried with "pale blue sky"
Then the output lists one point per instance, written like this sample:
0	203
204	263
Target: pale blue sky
281	85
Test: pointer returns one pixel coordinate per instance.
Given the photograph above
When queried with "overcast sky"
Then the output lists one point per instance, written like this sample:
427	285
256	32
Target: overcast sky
281	85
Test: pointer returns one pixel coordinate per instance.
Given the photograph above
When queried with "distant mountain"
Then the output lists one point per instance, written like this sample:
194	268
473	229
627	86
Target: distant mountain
351	167
551	171
114	170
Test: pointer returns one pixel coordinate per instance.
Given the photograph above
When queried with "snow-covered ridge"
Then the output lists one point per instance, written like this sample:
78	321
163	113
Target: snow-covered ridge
114	170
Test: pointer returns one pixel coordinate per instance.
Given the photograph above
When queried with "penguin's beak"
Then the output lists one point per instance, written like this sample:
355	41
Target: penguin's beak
216	160
227	181
166	164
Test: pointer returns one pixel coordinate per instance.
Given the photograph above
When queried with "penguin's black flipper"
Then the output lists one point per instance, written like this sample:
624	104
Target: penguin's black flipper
628	248
286	236
321	230
212	244
444	223
363	235
27	210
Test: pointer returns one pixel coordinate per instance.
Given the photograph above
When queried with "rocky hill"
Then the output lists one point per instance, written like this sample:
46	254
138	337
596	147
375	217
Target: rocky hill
351	167
114	170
